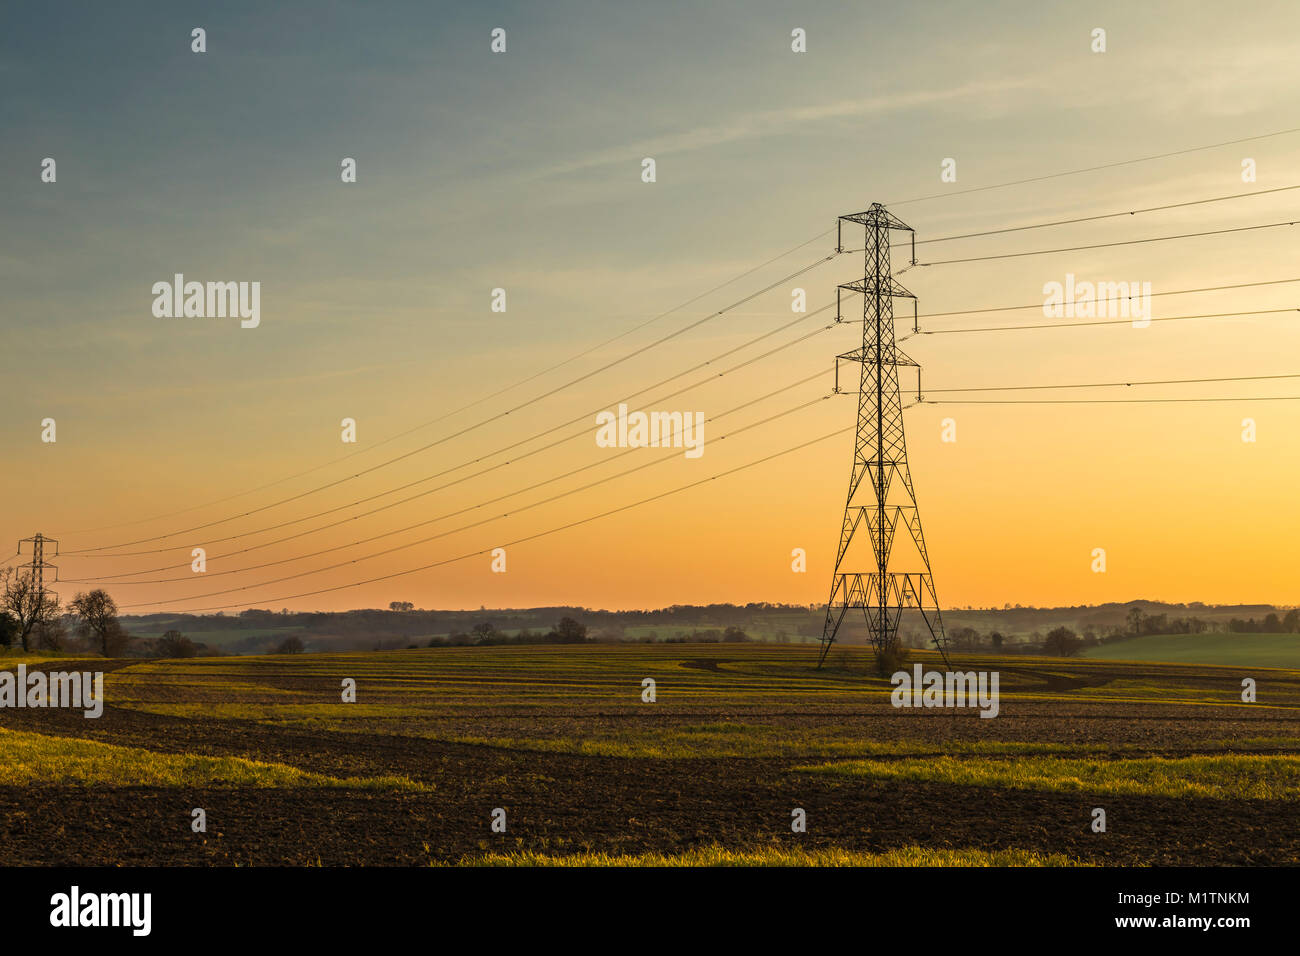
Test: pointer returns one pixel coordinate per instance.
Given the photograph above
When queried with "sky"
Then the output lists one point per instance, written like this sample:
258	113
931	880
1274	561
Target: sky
522	171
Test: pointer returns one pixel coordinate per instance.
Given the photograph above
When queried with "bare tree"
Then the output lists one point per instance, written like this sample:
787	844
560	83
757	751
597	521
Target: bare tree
97	614
175	644
26	603
568	631
1135	619
50	636
1061	642
290	645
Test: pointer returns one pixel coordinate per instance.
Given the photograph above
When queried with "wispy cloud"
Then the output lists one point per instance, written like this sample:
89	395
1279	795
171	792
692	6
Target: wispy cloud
789	119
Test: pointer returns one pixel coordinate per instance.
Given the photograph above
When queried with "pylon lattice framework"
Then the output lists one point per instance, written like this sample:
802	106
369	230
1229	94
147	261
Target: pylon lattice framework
38	565
886	500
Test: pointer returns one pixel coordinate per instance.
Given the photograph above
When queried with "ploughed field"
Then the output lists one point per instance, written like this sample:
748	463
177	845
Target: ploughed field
738	737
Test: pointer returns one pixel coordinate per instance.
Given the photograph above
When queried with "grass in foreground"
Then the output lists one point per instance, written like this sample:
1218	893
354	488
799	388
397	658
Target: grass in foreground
35	760
720	856
749	740
754	740
1229	777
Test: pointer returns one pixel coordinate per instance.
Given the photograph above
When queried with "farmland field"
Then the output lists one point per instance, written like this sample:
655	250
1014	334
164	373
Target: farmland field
1259	650
559	738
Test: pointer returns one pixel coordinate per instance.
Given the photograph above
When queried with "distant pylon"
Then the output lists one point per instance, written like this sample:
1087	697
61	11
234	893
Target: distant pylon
38	564
886	499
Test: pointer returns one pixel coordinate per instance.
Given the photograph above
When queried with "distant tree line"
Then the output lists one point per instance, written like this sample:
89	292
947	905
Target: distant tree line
401	624
1271	624
485	633
1064	641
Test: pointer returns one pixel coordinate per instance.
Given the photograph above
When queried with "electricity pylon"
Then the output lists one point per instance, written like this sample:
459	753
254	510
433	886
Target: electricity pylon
881	497
38	564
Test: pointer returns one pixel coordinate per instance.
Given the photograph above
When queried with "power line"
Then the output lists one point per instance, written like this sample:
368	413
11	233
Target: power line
1106	245
1113	401
367	499
627	507
674	491
669	457
373	497
1167	381
109	578
1114	298
662	315
1091	169
485	398
597	464
827	259
1109	215
524	441
1082	219
1070	325
467	429
540	534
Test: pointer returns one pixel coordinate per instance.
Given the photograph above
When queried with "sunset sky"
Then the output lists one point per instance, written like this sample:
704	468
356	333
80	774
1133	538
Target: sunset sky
522	170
